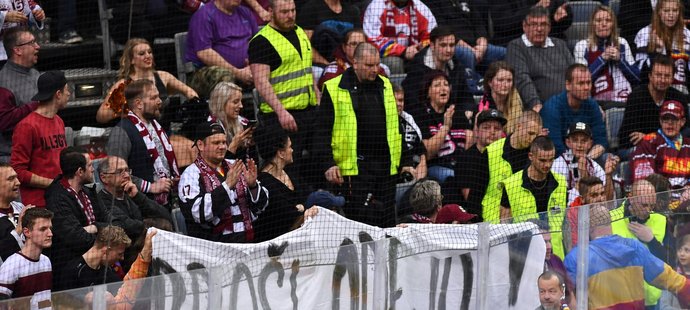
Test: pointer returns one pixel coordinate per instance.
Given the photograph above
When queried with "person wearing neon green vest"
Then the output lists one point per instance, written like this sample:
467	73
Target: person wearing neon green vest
280	56
361	145
635	220
505	157
531	192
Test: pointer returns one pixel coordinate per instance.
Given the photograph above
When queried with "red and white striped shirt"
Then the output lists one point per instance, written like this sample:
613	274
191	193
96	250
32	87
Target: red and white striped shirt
21	276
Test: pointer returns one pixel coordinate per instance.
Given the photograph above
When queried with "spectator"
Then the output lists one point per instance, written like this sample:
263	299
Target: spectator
220	198
412	135
500	93
426	201
94	268
143	143
28	272
399	29
641	115
538	59
503	158
545	191
551	291
454	214
39	137
469	26
608	57
18	79
574	164
225	106
572	106
19	14
445	133
137	63
322	19
438	56
11	213
19	75
288	196
488	128
278	51
506	17
591	191
129	206
79	211
636	219
664	151
668	301
219	34
666	35
553	264
344	54
611	258
361	149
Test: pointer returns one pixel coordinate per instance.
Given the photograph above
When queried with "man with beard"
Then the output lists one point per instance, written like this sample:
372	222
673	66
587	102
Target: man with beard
219	198
531	192
280	61
362	146
79	212
141	140
28	272
11	213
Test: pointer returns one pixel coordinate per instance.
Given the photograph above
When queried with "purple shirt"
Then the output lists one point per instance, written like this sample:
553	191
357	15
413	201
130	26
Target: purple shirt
228	35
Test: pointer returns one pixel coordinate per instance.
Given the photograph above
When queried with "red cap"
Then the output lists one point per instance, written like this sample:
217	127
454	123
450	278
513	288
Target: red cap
453	212
672	108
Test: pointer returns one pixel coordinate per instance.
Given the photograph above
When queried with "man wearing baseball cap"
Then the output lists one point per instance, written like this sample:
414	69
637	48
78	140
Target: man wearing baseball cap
39	137
574	163
489	127
666	151
220	198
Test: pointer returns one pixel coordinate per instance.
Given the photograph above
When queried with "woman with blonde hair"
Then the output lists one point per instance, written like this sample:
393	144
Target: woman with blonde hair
224	108
666	35
500	93
137	63
608	57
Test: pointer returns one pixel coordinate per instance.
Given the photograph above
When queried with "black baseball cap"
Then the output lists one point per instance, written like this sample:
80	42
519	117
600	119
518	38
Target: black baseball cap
491	115
207	129
48	83
579	127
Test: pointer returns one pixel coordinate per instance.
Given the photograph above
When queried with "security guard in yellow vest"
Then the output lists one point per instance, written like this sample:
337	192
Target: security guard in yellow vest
360	141
280	60
634	219
505	157
530	193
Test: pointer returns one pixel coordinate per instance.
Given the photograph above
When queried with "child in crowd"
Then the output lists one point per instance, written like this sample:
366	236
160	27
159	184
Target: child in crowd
668	300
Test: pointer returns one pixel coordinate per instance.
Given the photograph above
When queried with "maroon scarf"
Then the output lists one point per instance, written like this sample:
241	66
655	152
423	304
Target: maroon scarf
390	29
421	219
169	154
210	180
82	199
603	83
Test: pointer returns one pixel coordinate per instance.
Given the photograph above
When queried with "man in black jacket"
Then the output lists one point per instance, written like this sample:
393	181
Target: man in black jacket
11	240
129	206
78	211
439	55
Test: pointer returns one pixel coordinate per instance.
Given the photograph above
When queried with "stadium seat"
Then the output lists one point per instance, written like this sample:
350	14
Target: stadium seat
183	67
614	120
179	222
582	10
576	32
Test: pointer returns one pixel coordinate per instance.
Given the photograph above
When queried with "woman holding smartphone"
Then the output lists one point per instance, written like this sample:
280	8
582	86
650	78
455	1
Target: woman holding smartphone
224	107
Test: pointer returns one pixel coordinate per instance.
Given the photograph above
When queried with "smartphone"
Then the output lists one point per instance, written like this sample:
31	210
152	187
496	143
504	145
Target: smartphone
252	123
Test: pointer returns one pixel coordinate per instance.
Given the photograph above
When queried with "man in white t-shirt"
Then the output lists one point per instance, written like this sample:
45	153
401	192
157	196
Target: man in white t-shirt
574	163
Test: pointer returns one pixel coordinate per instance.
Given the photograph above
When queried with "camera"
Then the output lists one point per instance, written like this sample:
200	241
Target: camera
406	177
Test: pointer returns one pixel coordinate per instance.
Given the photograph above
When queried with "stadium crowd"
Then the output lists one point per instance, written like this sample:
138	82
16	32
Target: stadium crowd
385	111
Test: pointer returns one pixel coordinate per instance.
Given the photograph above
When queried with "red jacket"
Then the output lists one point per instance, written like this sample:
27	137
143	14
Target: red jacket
392	29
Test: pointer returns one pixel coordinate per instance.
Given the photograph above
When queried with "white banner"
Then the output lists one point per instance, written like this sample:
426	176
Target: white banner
332	263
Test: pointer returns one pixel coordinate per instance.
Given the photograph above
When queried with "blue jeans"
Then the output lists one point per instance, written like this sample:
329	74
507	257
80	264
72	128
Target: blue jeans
440	173
466	56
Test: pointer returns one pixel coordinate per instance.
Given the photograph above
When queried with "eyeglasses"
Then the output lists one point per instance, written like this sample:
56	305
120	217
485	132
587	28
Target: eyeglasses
32	42
120	171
